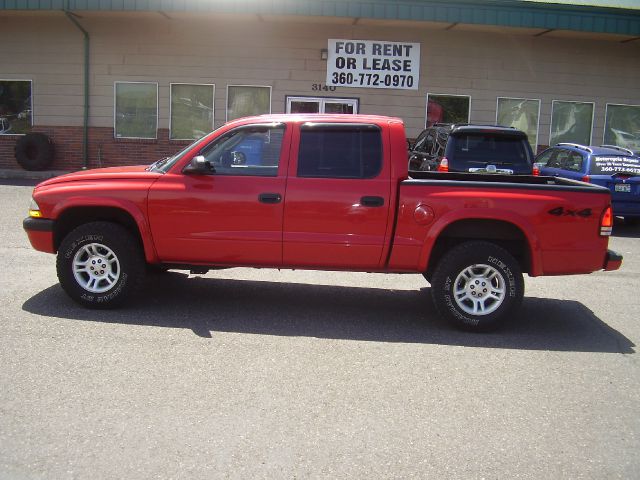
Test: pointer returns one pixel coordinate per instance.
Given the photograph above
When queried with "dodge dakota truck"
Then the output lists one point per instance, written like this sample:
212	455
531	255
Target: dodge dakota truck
323	192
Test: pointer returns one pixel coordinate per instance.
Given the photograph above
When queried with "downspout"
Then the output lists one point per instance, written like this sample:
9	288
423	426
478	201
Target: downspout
85	132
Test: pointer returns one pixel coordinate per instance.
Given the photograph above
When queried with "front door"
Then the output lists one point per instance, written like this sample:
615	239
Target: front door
232	215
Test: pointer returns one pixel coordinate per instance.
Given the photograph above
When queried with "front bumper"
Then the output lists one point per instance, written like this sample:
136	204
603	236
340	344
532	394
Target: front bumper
613	261
40	233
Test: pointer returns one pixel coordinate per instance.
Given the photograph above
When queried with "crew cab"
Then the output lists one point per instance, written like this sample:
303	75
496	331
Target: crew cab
324	192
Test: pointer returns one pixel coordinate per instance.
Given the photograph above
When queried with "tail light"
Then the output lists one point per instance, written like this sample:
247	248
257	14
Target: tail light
444	165
586	178
606	223
536	171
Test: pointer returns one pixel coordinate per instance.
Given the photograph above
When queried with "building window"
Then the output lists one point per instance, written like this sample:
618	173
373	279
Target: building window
15	107
571	122
191	111
520	113
622	126
247	100
136	110
447	109
335	151
321	105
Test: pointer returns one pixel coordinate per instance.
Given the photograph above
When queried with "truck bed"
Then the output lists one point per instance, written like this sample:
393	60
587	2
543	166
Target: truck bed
498	181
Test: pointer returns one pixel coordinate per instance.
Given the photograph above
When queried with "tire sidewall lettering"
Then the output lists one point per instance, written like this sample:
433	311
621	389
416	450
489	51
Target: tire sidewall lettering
115	292
455	312
507	273
122	243
71	251
462	257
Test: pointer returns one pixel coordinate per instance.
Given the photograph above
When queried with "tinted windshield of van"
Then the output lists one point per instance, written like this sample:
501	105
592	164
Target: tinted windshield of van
608	165
477	149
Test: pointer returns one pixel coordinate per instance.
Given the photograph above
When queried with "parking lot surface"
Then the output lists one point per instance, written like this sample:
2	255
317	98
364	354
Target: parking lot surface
248	373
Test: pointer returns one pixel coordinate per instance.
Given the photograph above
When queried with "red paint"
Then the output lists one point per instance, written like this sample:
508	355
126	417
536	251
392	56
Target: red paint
321	223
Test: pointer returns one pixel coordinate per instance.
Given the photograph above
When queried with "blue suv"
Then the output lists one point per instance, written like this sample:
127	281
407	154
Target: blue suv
615	168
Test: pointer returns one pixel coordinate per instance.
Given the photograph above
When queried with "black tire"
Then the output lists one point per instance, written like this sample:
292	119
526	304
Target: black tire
34	151
481	269
114	265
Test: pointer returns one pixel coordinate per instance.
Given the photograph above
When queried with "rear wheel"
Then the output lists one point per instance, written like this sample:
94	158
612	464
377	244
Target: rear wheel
100	265
477	285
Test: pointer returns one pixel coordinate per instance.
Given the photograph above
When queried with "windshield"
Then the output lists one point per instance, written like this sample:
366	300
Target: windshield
165	164
608	165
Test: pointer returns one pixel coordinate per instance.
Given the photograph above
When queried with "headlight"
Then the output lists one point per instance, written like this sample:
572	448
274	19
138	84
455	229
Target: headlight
34	209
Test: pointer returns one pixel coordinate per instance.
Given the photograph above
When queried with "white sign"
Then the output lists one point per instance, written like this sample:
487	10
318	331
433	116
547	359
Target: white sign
373	64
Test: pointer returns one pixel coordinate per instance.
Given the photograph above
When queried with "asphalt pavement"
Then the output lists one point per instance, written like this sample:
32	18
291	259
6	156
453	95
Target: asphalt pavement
248	373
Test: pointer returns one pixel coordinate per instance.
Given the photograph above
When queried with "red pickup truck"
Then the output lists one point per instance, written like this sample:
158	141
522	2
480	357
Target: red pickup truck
323	192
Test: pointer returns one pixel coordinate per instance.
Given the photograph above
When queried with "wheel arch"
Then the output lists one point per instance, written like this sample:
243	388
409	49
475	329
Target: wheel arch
504	233
76	215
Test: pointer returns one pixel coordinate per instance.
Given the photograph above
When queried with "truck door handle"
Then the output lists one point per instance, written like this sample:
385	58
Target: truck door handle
269	198
372	201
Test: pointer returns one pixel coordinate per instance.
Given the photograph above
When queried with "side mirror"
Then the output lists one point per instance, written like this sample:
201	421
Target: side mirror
198	165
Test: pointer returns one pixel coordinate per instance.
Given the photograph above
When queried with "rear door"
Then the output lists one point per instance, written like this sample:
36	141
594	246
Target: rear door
338	197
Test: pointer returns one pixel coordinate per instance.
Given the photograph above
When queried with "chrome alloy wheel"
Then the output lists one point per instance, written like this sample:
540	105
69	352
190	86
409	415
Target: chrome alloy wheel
96	268
479	289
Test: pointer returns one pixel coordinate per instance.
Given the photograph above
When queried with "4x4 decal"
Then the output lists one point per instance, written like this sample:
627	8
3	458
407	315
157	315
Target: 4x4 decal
565	212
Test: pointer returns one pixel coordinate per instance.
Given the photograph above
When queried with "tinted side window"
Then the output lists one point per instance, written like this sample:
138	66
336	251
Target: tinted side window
543	160
349	151
560	159
573	162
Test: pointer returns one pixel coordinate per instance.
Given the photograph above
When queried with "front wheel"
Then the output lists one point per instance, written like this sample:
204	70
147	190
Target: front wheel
100	265
477	286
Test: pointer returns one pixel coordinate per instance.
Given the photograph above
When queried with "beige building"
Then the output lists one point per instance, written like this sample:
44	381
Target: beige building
121	87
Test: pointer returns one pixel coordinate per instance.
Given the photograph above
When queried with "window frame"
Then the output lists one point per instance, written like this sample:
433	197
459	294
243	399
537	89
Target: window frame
551	151
226	112
593	113
115	98
323	100
270	126
213	106
426	107
534	146
606	110
31	123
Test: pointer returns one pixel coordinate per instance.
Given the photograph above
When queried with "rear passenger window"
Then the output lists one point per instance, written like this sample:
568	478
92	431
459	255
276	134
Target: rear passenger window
573	162
340	151
545	160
